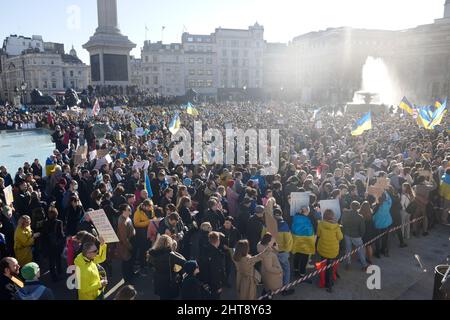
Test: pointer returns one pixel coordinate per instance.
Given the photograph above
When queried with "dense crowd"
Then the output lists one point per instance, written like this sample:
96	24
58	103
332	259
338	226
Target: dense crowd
196	227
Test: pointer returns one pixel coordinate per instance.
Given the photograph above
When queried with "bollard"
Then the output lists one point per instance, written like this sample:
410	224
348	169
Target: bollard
441	290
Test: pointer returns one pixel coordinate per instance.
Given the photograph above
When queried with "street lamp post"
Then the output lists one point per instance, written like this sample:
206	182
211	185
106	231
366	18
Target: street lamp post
23	88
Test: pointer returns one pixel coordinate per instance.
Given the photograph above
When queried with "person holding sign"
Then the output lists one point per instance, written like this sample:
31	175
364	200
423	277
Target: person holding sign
91	285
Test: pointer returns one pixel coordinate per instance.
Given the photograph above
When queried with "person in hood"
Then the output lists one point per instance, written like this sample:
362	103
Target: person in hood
33	289
329	234
191	287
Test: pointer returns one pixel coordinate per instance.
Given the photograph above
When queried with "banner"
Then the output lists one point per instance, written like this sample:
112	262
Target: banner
299	200
8	195
332	205
103	226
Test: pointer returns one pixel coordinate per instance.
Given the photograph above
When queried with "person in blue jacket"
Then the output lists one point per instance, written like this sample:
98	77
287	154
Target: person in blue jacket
382	220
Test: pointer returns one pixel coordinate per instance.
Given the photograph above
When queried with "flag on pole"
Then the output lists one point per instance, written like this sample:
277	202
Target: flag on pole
363	124
148	186
96	108
190	109
175	124
407	106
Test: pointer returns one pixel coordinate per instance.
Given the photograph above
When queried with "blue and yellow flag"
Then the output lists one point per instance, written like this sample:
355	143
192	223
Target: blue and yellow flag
175	124
148	186
363	124
424	117
407	106
190	109
438	115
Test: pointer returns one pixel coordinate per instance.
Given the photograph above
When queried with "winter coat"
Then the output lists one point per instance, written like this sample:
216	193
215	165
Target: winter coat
330	235
191	288
271	271
23	244
126	233
304	239
444	189
233	202
73	217
255	228
231	237
246	276
382	218
34	290
212	268
53	239
216	219
284	237
165	277
90	286
353	224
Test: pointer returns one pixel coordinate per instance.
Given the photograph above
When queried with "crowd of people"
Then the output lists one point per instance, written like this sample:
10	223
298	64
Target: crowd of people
196	227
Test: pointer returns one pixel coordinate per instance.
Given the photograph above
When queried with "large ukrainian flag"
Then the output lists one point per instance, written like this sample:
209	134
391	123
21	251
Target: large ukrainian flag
424	117
363	124
190	109
175	124
406	105
438	115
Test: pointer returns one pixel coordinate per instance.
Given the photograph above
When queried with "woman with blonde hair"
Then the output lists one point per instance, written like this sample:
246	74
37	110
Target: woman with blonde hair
167	264
24	241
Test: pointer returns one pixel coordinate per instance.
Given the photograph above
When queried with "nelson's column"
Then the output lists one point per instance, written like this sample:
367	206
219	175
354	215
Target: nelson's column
109	50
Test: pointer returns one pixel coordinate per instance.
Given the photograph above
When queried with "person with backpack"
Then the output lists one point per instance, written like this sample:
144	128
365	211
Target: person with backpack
33	289
167	264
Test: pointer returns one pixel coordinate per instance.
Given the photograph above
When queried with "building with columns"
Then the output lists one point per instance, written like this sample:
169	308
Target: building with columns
109	50
43	66
328	64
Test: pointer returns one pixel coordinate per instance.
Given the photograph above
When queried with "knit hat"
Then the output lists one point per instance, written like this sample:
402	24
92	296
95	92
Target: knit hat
259	209
29	271
190	266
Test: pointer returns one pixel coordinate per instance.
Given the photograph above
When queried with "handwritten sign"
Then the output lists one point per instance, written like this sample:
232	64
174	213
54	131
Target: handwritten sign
332	205
298	201
380	186
8	195
103	226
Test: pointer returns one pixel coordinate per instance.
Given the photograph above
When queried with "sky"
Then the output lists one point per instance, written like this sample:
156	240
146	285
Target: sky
74	21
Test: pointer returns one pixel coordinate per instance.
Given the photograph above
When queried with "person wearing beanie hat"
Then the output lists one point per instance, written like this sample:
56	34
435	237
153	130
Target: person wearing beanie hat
33	289
191	287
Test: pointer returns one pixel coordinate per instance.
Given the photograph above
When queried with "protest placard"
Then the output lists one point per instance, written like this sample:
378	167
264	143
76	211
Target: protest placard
332	205
299	200
101	153
425	173
8	192
103	226
139	132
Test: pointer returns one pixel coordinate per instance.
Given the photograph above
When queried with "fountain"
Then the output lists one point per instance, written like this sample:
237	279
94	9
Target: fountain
378	89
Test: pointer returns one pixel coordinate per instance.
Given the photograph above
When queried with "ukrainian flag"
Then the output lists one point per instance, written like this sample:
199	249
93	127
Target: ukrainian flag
363	124
438	115
148	186
407	106
424	117
133	126
175	124
190	109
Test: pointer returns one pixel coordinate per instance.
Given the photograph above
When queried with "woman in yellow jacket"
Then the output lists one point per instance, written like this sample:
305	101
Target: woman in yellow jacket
329	234
24	241
142	217
89	283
